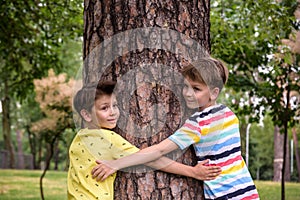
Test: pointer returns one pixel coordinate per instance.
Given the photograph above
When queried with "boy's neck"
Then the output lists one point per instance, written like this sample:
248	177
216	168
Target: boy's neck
89	125
211	104
106	128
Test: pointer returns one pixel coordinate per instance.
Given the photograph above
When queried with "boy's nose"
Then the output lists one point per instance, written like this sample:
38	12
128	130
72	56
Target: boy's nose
189	92
113	110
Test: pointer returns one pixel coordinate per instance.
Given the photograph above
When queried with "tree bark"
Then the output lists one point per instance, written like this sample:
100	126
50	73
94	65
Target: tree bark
33	147
143	45
5	102
56	155
278	157
295	139
21	163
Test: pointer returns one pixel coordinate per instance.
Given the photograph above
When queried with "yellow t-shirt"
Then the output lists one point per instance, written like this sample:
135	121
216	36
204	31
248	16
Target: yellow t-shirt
88	146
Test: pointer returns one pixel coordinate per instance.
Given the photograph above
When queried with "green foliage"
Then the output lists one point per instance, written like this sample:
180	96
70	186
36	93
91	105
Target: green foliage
261	150
30	37
246	35
70	55
36	36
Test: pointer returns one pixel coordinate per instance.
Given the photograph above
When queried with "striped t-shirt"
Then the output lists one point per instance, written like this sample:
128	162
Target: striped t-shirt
214	133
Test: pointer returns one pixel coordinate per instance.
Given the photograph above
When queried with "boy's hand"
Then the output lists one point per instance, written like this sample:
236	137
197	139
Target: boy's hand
102	170
204	171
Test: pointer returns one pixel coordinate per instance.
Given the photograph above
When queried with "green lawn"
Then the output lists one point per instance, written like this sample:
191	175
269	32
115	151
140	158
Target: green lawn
24	184
269	190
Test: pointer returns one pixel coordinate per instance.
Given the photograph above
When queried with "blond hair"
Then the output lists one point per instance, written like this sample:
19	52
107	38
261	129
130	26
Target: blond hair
208	71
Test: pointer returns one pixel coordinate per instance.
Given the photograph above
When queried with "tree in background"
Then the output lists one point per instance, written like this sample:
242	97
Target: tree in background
53	93
292	57
247	38
261	149
295	132
288	81
31	36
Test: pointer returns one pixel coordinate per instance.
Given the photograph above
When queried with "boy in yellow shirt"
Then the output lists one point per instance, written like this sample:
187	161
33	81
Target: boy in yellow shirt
97	106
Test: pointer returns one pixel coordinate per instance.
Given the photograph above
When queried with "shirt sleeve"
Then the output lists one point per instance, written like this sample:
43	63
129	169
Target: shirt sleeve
187	135
122	147
106	144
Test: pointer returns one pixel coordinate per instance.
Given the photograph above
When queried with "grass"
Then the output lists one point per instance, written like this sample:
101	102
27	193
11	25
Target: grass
24	184
269	190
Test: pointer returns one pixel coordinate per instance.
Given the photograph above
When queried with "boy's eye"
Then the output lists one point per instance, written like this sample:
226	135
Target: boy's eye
185	86
104	108
196	89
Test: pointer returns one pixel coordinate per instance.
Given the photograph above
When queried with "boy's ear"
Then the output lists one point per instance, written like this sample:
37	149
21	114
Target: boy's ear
86	115
214	93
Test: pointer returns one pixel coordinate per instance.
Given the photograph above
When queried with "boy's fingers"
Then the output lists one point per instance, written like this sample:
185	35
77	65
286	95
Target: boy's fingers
94	169
104	177
98	161
101	171
95	173
99	177
215	168
101	174
204	162
215	171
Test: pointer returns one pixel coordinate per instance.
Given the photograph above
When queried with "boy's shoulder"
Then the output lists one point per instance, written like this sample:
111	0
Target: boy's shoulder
90	132
210	112
103	135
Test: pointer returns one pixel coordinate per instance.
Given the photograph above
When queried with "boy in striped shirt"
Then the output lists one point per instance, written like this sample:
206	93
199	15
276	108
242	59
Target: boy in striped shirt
213	130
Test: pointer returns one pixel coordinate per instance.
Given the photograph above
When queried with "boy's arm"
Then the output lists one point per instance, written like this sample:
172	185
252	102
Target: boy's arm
106	168
200	171
146	155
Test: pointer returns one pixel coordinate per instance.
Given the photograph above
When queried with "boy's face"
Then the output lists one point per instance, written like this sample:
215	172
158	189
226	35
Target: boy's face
106	113
196	95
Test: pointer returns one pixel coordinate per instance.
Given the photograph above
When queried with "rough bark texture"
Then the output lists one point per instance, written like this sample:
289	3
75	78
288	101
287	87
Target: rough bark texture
20	161
149	92
297	154
5	102
278	157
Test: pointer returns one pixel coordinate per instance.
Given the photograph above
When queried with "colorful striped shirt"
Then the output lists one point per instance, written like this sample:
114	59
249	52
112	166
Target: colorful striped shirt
214	133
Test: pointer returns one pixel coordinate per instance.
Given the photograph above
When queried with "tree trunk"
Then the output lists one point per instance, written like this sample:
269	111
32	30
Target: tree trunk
142	45
295	139
278	157
5	102
21	163
40	148
56	155
33	147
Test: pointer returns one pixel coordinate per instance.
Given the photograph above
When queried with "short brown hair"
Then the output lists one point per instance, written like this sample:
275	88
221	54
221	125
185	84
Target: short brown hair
88	94
208	71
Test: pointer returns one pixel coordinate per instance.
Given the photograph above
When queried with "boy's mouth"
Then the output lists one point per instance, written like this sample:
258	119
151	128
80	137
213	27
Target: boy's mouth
112	120
190	100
